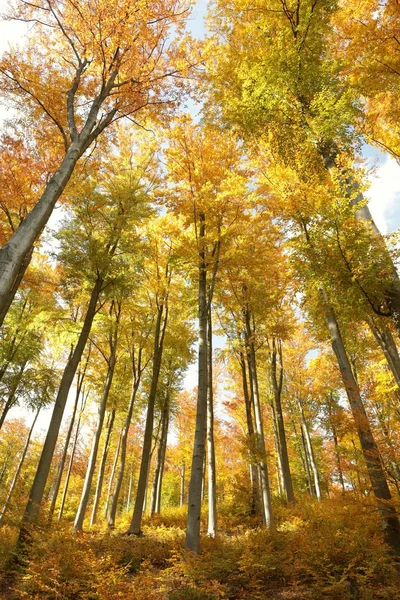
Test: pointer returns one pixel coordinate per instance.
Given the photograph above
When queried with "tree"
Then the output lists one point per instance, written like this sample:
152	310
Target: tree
112	68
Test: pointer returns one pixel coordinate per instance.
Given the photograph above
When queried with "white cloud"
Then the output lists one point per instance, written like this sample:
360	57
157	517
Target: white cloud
384	195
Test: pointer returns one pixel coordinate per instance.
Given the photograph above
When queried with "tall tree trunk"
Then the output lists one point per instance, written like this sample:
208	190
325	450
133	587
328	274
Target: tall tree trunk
128	500
277	384
212	478
112	474
60	470
124	440
19	246
122	460
17	472
388	346
42	472
102	467
182	488
252	442
80	515
159	466
261	452
369	448
11	396
335	442
136	523
310	452
17	282
71	458
192	541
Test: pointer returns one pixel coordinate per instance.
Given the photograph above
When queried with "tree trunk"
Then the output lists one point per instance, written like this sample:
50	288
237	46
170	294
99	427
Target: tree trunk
182	488
192	541
277	383
128	500
252	443
100	476
212	483
17	472
155	504
80	515
10	296
261	452
388	346
42	472
136	523
122	460
110	482
19	246
310	453
369	448
60	470
71	458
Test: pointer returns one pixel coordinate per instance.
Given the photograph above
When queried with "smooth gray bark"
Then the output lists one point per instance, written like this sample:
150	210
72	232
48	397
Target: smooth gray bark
388	346
61	465
17	282
369	448
42	472
20	464
161	324
112	474
192	541
252	444
102	467
80	515
261	452
137	371
182	486
18	247
212	482
155	504
310	453
277	384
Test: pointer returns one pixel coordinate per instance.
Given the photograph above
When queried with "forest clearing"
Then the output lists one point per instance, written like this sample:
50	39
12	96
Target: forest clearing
200	300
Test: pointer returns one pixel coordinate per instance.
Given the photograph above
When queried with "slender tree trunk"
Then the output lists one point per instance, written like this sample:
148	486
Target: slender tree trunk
80	515
11	397
162	466
42	472
100	476
196	477
369	448
277	383
155	503
19	246
122	460
261	452
112	474
128	501
20	464
388	346
252	443
61	464
71	458
10	296
182	489
212	483
136	523
310	453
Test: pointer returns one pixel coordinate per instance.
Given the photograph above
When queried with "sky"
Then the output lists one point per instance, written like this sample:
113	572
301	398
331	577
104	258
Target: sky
383	194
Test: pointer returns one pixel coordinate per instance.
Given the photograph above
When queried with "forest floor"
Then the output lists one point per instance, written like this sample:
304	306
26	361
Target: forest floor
330	550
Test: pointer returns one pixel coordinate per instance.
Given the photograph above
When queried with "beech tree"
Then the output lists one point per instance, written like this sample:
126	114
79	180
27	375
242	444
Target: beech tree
101	69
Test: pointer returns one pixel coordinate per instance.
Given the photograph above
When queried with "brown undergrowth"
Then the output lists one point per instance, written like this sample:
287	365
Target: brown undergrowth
320	551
